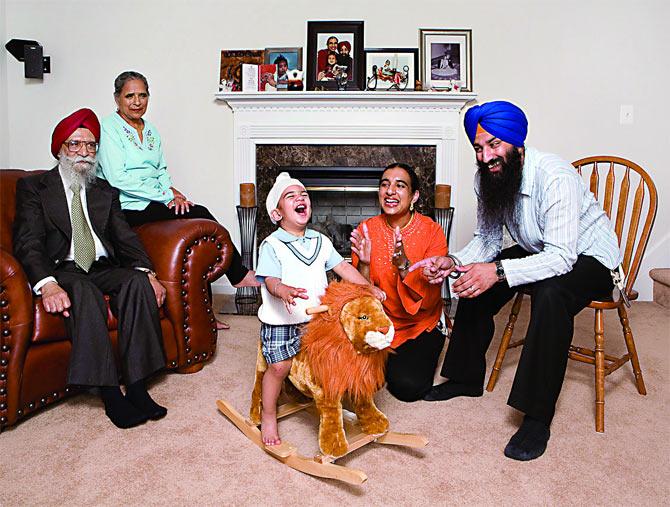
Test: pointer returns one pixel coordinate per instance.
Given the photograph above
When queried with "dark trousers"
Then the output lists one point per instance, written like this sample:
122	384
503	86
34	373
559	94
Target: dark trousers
554	303
410	368
157	212
133	303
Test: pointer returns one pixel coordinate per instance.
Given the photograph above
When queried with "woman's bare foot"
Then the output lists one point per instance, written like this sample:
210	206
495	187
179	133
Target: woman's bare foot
221	325
249	280
269	431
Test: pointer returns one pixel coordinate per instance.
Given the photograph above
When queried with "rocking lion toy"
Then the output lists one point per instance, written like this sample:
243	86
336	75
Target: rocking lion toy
342	357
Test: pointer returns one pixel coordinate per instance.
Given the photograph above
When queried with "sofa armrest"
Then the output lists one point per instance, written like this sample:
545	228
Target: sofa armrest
16	327
187	256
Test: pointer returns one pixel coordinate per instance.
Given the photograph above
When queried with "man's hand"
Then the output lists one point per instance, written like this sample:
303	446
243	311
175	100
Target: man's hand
158	288
475	279
289	294
361	244
55	299
435	269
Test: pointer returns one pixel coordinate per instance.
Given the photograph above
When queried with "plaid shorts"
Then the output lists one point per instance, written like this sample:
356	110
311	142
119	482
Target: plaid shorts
279	343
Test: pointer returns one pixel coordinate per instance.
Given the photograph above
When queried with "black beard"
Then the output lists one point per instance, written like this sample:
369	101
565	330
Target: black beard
498	192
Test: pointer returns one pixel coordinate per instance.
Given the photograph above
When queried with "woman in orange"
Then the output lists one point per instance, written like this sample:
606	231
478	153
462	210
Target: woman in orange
383	249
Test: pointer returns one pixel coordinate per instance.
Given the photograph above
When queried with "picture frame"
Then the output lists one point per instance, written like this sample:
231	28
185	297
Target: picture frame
391	68
231	66
293	55
446	56
343	70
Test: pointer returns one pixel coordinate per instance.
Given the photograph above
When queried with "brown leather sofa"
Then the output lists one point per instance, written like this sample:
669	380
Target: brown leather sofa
34	348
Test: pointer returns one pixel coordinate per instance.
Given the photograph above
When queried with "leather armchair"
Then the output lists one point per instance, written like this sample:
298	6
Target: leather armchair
34	348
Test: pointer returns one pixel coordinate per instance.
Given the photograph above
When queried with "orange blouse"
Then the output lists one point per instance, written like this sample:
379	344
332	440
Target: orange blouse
412	304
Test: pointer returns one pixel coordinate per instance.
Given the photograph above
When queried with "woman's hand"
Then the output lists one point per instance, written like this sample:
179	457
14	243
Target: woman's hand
399	259
435	269
180	204
361	244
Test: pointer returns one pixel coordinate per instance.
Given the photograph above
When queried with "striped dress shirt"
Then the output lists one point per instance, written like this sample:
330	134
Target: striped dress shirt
558	219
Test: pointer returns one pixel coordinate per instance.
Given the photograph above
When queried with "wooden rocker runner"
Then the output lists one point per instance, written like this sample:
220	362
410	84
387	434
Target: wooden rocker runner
342	355
319	465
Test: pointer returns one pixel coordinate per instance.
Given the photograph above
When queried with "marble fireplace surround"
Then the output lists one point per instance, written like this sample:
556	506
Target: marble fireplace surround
346	118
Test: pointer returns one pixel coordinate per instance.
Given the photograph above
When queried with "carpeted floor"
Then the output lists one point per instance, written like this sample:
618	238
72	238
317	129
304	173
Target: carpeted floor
71	454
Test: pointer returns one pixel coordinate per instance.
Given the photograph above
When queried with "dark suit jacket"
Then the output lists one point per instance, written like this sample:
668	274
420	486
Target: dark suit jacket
43	233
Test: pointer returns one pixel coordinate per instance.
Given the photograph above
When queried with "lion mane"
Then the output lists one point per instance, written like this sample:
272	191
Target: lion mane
335	364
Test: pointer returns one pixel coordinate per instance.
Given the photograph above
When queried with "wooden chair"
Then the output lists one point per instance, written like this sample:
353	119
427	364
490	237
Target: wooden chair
620	176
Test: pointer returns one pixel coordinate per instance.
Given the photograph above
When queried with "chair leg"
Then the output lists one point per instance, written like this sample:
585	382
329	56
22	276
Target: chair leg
632	352
600	371
504	343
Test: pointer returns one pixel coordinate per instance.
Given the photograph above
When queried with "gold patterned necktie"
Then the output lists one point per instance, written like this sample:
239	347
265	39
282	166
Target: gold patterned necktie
84	246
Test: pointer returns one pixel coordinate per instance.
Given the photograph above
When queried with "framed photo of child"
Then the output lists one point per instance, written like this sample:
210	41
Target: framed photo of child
391	68
446	58
335	55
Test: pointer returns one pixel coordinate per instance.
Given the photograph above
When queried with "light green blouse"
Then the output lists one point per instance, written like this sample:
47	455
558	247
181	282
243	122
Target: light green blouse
137	168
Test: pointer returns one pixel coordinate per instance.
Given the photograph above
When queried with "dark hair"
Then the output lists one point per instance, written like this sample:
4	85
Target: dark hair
413	178
126	76
279	59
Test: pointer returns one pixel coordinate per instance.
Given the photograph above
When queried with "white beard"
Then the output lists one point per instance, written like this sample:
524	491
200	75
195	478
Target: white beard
79	169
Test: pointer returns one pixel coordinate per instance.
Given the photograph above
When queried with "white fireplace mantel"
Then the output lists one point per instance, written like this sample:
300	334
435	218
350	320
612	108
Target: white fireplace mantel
347	118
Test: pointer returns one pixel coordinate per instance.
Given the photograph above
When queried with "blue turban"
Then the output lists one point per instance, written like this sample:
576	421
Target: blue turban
501	119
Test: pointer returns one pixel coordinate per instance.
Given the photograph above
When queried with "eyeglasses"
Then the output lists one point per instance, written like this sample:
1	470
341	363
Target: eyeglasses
75	146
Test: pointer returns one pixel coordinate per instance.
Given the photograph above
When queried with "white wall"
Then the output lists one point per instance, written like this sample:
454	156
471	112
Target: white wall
569	64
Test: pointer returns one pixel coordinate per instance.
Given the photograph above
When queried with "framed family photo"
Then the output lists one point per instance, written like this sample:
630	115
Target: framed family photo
335	55
446	56
391	68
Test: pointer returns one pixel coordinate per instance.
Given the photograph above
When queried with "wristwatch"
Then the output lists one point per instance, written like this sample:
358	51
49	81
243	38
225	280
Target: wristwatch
500	271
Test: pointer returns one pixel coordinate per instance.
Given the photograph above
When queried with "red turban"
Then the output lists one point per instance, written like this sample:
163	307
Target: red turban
346	44
84	118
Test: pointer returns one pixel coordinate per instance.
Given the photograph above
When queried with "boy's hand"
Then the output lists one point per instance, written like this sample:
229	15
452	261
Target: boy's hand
379	294
288	294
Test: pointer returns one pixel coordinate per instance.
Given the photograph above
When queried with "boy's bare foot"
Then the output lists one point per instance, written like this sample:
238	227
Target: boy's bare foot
221	325
249	280
269	431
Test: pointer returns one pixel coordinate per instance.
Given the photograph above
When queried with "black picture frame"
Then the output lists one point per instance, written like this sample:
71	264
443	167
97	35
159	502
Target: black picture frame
318	34
398	58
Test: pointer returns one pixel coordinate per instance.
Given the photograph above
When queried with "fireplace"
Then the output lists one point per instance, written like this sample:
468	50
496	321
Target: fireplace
341	195
275	131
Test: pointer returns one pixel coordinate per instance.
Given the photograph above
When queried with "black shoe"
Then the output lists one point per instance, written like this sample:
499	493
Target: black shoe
119	410
530	440
137	394
451	389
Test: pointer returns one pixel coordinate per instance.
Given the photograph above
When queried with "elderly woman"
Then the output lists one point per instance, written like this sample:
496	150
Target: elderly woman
383	248
131	158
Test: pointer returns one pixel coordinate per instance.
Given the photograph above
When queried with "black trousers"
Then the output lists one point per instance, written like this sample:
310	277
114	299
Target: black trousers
133	303
554	303
157	212
410	368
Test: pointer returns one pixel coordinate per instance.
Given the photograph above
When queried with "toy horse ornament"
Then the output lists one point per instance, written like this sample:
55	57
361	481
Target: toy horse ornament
342	357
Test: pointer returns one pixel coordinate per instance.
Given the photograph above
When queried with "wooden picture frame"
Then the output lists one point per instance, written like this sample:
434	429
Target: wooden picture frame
391	68
446	56
327	37
292	55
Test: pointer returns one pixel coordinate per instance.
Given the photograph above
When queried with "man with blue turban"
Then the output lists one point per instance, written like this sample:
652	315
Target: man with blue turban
565	251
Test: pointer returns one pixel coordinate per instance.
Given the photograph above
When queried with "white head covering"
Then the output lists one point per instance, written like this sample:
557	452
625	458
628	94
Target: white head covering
282	182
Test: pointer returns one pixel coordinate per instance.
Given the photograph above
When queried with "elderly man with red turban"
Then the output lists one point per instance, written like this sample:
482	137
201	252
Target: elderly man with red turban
75	245
566	248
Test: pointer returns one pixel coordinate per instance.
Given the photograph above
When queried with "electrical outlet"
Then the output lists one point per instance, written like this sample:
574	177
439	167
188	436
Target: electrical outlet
626	115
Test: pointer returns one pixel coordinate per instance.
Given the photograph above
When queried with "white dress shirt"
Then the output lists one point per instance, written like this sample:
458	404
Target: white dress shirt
558	219
100	250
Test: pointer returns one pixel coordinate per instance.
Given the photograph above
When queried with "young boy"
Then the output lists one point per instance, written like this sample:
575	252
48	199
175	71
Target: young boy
292	266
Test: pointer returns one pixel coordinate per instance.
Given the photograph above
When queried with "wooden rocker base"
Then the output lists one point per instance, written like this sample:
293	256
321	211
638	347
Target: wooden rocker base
319	465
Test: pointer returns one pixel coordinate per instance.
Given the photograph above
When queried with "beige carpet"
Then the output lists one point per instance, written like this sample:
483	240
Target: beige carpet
71	454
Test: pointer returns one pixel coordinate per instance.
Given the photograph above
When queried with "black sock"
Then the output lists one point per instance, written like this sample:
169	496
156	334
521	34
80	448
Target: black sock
530	440
122	413
138	395
451	389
